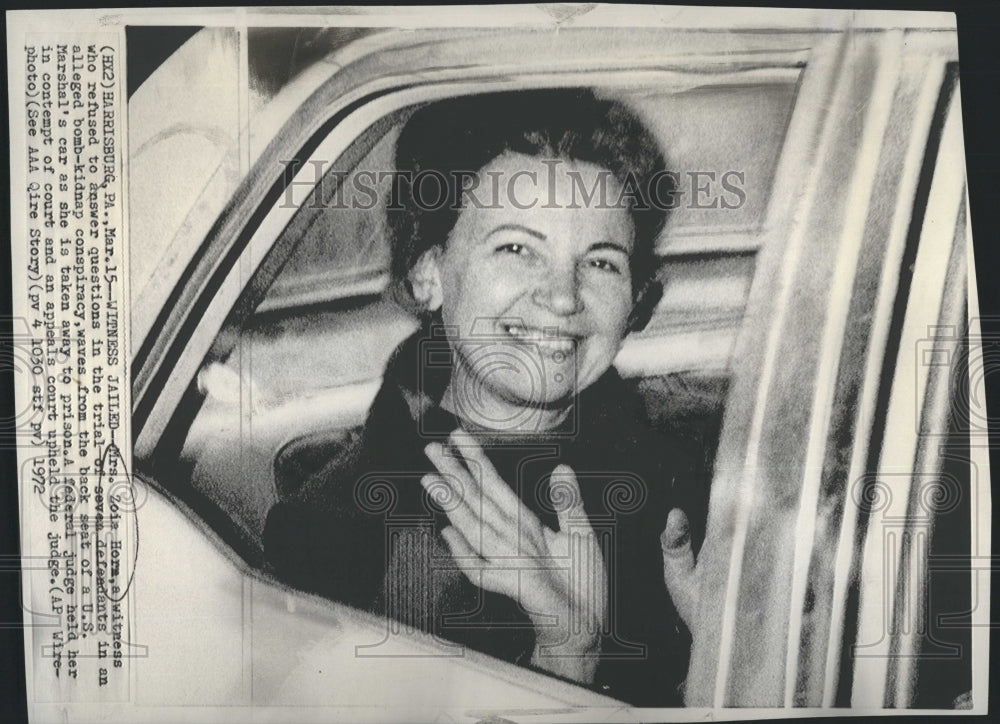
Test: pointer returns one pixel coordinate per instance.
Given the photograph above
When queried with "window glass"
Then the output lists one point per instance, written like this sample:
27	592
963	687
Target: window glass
344	251
721	140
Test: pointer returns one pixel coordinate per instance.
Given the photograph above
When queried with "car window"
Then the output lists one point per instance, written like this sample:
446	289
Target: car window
305	365
344	250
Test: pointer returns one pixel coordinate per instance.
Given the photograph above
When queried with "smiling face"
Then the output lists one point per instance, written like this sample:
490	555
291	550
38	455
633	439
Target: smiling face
534	287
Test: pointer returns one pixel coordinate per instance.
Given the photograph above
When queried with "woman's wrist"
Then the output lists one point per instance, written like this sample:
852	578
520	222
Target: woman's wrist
575	658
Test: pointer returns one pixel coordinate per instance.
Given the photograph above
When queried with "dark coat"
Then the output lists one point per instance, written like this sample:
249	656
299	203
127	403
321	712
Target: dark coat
363	532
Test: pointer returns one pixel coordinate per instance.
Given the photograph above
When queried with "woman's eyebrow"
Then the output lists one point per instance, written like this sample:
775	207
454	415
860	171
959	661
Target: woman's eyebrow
614	246
517	227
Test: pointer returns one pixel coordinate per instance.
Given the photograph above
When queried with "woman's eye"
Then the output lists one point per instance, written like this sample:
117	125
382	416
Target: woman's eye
605	265
513	248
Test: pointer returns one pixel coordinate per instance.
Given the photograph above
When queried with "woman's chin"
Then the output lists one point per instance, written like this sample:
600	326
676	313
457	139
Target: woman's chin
556	389
513	408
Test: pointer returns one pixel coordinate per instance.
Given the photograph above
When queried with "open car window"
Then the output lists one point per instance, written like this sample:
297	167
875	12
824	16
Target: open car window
289	386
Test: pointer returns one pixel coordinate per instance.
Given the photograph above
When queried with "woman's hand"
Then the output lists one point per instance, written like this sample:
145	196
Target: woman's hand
558	577
680	572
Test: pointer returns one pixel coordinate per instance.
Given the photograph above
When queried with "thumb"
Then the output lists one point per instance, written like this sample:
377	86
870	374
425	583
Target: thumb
679	564
676	538
564	490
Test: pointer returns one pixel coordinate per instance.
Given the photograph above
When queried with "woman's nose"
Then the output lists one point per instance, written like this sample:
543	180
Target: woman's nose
559	291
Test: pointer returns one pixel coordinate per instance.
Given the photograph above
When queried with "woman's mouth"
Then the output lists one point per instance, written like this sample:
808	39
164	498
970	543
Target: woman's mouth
550	341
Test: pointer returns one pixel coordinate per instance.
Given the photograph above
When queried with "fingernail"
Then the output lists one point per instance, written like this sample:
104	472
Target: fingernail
676	513
678	541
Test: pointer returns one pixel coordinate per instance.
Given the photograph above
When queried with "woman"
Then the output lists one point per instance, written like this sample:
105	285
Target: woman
504	495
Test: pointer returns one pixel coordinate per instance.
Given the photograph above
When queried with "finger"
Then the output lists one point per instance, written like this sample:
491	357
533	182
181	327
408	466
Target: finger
676	538
471	493
590	582
494	487
465	557
461	550
461	515
679	565
475	568
564	489
484	491
463	482
449	466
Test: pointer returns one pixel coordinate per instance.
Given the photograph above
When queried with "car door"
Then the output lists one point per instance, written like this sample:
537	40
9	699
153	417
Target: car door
814	585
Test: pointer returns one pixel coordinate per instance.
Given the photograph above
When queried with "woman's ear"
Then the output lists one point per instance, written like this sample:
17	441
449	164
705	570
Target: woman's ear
645	304
425	280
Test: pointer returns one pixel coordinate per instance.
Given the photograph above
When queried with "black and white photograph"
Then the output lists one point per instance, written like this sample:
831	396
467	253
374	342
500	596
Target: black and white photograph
529	363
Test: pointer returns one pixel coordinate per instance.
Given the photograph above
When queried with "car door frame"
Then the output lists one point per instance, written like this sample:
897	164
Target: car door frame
789	520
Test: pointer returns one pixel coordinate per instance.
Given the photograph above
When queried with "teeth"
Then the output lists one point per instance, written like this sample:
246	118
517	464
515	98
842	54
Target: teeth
550	343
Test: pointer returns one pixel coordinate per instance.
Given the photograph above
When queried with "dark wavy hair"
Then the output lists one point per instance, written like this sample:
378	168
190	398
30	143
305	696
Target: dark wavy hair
454	139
